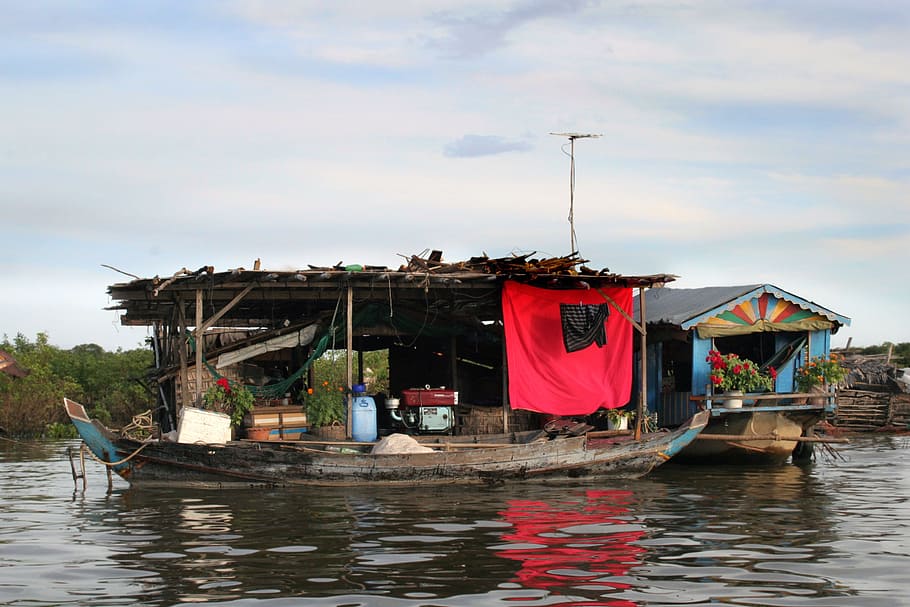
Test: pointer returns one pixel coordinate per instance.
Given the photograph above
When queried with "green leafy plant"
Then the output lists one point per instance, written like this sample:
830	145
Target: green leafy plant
730	372
820	371
325	404
235	400
617	415
58	430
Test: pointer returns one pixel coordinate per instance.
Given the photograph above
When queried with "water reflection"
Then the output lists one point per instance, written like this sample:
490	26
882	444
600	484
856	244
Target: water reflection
831	534
580	542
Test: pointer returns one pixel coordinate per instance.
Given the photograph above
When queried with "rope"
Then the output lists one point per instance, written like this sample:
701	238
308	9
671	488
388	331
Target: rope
142	422
112	464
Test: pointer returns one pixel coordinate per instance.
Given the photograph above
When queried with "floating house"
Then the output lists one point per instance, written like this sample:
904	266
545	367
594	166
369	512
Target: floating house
761	322
508	337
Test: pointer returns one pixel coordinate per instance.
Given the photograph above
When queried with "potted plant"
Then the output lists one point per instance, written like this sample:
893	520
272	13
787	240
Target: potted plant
736	376
618	419
820	373
325	409
236	401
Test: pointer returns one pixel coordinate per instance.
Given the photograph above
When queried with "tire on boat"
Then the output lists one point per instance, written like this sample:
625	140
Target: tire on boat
803	452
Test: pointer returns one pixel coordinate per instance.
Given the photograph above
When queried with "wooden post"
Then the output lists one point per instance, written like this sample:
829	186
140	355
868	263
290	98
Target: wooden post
453	364
505	385
199	346
643	341
181	351
350	357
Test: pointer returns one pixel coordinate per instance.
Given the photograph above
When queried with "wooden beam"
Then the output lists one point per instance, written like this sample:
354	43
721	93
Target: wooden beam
623	313
643	341
773	437
505	386
227	308
199	346
181	352
350	357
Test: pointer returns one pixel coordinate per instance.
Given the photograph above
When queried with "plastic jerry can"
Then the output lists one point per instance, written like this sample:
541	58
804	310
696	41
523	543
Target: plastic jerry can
363	419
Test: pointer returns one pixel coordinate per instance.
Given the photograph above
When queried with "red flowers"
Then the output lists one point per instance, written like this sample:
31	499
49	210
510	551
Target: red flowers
225	384
772	372
730	372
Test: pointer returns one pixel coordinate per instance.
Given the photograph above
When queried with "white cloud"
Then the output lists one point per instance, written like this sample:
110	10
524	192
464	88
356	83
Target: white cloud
740	144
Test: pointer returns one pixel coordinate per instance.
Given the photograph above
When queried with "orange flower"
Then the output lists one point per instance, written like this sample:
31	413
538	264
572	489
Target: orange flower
309	390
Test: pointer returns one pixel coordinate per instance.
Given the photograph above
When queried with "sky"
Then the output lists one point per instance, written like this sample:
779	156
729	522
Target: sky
740	142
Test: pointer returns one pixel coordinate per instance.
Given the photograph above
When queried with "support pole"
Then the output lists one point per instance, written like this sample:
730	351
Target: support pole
350	357
181	351
505	386
453	362
643	341
199	346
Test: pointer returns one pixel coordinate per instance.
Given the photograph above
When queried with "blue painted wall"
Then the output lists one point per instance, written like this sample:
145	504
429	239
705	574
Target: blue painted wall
700	368
786	374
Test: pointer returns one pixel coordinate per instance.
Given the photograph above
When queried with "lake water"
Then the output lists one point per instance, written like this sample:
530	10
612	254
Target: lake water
836	532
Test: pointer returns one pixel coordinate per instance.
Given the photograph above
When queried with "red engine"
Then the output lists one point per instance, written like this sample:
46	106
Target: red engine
425	410
429	397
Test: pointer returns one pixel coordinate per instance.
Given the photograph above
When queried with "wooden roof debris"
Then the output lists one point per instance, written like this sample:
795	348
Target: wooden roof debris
468	288
871	372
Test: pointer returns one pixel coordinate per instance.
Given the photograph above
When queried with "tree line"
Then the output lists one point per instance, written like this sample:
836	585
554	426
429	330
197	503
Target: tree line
900	353
113	386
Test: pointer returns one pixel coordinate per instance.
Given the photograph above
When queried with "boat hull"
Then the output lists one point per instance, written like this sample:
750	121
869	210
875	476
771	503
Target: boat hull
296	463
741	428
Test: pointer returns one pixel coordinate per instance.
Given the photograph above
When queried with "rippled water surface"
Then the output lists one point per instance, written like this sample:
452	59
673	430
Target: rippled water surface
836	532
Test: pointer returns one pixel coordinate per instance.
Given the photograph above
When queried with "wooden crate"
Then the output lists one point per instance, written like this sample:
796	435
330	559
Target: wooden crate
488	420
287	422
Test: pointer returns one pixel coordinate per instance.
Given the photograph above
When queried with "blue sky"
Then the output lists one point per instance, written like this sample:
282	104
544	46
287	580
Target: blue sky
742	142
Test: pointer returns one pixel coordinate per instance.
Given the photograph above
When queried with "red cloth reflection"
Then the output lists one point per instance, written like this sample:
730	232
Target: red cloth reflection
561	558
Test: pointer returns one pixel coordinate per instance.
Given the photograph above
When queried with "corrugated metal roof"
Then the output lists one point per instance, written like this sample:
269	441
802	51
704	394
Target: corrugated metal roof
676	306
686	307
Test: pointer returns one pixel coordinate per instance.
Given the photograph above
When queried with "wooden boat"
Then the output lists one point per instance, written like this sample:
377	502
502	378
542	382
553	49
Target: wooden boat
489	459
765	431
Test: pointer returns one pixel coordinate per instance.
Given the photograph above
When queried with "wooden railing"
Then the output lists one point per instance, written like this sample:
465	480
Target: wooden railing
826	399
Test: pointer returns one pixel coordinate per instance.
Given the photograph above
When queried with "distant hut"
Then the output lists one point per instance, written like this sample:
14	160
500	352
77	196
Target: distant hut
876	394
9	365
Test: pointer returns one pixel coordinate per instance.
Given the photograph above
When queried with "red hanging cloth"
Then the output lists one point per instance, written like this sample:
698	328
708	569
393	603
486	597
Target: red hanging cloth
542	325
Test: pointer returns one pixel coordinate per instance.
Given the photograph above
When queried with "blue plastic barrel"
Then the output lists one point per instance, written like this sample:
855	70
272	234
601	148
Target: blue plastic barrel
363	421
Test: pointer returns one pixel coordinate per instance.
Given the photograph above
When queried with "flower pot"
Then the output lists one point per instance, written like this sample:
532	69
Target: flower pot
733	403
619	424
257	433
822	399
335	432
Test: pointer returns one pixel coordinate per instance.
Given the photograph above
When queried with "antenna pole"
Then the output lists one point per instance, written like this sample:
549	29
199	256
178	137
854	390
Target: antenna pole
572	248
572	137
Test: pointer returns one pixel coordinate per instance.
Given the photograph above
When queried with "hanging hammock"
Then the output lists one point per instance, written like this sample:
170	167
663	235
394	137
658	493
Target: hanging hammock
277	389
